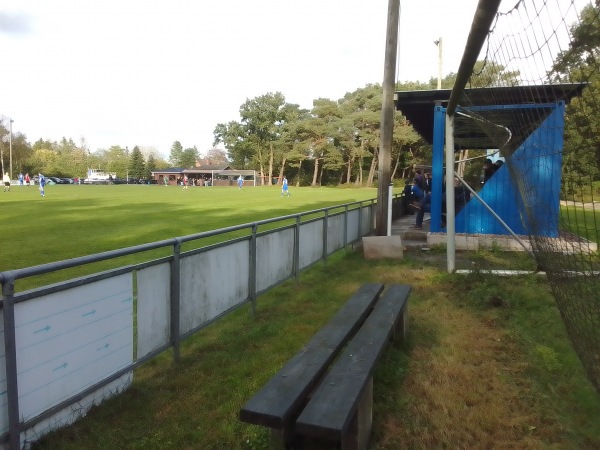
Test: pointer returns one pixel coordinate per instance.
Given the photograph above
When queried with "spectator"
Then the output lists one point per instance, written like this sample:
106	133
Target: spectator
420	179
488	171
498	164
417	191
6	181
422	207
427	187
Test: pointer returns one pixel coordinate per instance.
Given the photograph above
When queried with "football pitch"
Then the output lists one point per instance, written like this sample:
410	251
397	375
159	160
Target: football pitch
78	220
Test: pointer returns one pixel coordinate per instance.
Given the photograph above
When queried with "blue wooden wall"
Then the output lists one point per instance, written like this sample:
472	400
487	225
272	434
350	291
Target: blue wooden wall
532	176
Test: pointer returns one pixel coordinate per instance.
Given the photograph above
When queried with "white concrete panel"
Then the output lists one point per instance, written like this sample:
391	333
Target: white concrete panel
69	340
335	233
352	225
311	243
153	308
212	282
75	411
367	219
274	258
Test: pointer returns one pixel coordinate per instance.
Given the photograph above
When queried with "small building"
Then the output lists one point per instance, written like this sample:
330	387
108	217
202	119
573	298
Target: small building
208	175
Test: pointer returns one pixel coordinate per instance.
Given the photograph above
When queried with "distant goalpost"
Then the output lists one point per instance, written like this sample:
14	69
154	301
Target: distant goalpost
231	175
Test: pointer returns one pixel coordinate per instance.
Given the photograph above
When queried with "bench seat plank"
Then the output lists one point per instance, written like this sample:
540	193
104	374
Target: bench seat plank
280	400
331	408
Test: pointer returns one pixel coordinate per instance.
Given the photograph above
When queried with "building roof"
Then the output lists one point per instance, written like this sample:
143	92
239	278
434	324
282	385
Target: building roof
418	108
169	170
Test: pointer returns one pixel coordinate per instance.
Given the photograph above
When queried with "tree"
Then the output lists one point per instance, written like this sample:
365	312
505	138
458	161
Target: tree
262	118
189	157
176	155
136	164
21	151
292	137
581	63
491	74
322	133
254	140
217	156
233	135
150	166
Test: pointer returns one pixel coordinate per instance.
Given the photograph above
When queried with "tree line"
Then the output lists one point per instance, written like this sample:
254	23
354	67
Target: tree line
336	141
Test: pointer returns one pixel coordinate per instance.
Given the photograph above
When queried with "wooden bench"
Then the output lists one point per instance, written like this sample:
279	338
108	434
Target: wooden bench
341	408
280	401
293	403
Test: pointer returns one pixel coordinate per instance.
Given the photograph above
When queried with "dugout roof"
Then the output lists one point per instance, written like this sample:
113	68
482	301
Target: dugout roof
418	108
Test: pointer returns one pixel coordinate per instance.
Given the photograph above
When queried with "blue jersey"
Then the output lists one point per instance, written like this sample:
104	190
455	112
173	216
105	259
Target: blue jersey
285	184
418	193
42	181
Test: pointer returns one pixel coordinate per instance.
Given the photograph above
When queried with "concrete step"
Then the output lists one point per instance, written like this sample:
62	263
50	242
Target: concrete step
414	235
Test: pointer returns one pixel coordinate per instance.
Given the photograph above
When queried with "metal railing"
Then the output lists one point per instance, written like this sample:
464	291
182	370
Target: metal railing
80	340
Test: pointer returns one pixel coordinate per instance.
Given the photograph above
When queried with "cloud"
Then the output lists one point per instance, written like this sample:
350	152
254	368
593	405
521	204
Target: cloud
14	23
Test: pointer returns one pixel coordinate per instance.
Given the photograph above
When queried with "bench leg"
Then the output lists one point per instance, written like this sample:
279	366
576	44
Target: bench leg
403	325
359	433
276	439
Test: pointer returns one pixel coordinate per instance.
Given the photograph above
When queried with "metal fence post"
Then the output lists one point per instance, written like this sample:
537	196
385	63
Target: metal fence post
10	348
325	228
360	213
252	270
297	248
175	299
346	226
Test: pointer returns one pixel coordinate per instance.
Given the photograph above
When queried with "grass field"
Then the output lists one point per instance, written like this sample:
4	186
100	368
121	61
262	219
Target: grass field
73	220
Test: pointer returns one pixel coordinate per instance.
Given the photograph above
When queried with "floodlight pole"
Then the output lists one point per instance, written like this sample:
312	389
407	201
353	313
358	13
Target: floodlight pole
387	117
439	45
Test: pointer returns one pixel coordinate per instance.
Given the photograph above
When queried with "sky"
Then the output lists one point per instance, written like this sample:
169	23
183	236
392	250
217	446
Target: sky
149	72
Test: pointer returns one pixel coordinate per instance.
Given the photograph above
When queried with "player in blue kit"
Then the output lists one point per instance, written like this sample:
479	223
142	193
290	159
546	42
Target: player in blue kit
284	187
42	181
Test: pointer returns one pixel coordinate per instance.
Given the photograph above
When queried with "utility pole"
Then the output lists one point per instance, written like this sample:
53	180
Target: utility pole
387	117
439	45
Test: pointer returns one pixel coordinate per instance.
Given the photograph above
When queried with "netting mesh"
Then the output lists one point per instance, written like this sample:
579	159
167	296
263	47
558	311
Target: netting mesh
533	102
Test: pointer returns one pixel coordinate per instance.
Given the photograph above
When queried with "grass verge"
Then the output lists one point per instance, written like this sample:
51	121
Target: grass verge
488	365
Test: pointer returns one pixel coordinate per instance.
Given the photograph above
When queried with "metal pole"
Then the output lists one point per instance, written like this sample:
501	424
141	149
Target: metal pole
10	351
482	20
10	147
493	213
387	115
252	271
176	299
389	221
450	222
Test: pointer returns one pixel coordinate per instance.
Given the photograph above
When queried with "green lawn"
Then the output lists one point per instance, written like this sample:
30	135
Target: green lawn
73	220
583	222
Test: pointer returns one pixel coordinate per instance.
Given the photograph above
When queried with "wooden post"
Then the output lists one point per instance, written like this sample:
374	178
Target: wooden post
387	116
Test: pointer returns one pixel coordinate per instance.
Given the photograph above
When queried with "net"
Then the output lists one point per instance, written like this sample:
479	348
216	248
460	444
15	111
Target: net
533	103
